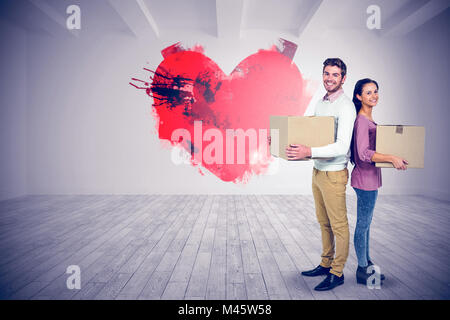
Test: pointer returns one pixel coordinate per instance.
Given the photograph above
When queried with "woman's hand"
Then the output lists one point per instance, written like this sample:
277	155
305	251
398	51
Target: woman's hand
399	163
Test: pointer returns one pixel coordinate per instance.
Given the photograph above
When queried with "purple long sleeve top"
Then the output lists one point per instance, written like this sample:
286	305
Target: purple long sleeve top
365	175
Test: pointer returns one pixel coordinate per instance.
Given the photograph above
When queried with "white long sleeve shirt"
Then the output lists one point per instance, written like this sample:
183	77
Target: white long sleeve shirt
335	156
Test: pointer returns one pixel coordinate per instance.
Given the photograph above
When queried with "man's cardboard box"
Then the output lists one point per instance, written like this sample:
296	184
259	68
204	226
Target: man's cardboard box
309	131
407	142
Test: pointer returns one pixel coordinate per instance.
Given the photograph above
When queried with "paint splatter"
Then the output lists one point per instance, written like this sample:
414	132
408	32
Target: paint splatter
188	87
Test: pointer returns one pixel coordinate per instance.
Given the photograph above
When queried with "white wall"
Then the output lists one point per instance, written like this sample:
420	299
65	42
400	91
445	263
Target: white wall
89	131
427	95
13	99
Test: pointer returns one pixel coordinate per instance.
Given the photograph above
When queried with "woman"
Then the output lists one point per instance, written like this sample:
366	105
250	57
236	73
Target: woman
366	178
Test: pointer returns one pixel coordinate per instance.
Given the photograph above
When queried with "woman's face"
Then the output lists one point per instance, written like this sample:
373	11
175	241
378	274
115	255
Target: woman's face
369	95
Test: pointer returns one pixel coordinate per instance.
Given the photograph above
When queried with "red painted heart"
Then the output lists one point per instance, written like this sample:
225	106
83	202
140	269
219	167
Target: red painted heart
188	86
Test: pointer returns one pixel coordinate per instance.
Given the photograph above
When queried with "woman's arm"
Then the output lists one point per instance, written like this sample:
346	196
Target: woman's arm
397	162
365	154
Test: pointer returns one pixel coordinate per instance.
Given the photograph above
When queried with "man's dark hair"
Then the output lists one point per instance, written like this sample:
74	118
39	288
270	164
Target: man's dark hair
336	62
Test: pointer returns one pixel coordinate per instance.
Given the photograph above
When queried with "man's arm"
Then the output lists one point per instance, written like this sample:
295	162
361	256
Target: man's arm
346	120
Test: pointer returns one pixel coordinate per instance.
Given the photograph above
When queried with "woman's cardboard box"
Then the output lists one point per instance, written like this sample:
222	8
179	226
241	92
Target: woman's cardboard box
407	142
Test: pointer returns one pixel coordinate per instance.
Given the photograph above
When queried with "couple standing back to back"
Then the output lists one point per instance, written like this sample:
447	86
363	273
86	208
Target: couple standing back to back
355	133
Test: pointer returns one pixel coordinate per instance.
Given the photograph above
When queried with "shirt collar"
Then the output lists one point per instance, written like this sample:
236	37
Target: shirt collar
333	97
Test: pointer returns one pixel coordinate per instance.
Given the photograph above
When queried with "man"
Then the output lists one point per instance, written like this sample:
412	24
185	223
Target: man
330	176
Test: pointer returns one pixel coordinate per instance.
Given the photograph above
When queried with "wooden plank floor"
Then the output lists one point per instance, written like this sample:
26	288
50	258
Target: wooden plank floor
211	247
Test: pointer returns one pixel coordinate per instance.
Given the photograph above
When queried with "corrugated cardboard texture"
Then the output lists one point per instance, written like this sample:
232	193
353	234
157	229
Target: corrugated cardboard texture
309	131
407	142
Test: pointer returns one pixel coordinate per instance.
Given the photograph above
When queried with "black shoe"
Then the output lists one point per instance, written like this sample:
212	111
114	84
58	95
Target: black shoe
318	271
330	282
382	277
361	275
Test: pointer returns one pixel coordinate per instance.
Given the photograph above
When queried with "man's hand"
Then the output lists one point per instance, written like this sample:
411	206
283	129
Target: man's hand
298	152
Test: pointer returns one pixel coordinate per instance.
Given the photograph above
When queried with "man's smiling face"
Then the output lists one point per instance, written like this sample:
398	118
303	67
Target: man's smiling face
332	78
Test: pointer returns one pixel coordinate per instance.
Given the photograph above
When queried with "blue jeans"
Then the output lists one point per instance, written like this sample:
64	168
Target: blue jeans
365	206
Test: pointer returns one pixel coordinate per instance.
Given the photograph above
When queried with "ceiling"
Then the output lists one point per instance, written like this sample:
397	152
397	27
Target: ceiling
227	18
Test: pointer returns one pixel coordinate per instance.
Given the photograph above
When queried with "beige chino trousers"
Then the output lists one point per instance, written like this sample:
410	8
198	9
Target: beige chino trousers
329	196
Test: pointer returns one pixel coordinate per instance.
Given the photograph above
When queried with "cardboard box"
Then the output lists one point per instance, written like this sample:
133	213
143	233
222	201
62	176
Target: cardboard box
407	142
309	131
